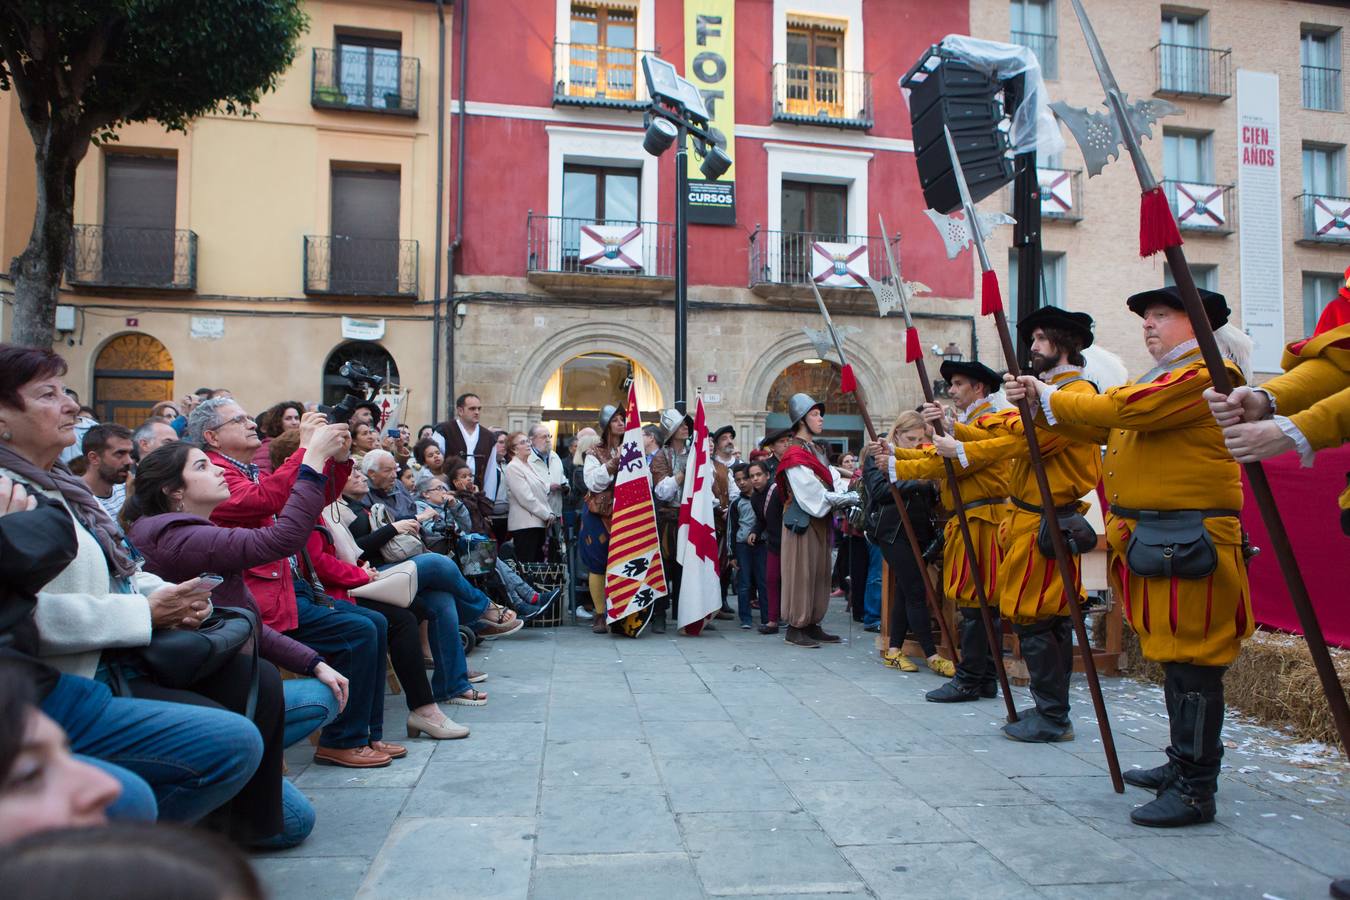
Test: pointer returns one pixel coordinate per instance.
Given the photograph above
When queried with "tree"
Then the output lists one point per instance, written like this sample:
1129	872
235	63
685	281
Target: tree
81	68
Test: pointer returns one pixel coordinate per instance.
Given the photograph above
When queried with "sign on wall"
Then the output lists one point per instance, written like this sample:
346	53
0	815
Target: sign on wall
1260	233
710	53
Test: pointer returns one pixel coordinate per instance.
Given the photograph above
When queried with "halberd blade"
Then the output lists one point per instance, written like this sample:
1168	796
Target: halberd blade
886	294
820	340
1098	133
955	230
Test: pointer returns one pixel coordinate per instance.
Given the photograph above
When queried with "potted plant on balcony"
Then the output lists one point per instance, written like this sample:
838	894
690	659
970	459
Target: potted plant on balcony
393	100
330	96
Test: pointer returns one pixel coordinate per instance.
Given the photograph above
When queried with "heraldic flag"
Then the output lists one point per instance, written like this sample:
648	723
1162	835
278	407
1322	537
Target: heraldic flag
701	582
634	576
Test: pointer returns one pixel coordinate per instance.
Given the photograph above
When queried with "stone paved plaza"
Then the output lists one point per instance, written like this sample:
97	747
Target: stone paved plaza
733	764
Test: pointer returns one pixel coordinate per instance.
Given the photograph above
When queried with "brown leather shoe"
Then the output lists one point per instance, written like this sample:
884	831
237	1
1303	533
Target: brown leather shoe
816	633
490	631
799	637
351	757
393	751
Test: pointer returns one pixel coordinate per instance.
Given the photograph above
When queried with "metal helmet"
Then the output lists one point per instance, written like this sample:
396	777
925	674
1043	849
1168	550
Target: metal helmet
671	420
607	412
801	404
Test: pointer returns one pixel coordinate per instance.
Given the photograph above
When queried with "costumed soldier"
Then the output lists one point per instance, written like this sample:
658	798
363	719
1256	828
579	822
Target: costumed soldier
984	491
667	475
1176	556
809	497
602	464
1030	590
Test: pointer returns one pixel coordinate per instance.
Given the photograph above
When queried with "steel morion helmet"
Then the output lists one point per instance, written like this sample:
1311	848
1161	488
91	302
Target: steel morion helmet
801	404
607	412
671	420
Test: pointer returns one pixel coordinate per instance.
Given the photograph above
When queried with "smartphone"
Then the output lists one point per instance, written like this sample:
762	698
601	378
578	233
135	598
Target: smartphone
394	433
211	581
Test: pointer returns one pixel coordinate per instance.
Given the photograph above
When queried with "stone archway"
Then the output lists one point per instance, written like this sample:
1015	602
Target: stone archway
132	372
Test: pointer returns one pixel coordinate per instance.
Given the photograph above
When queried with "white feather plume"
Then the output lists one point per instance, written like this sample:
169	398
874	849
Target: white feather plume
1104	368
1235	344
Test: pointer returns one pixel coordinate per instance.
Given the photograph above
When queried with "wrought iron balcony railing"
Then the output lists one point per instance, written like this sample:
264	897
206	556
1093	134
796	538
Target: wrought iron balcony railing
1046	48
360	267
1326	219
1201	207
1061	194
597	75
819	95
1321	88
161	258
831	260
1195	72
604	248
367	79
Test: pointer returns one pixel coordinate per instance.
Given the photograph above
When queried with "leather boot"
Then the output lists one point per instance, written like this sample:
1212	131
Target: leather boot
816	633
1049	684
976	668
1195	753
1158	777
799	637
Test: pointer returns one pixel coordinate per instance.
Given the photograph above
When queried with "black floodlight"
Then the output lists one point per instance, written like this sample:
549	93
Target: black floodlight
665	84
661	133
715	164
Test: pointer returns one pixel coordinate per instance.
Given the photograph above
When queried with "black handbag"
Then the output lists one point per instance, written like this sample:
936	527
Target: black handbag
1079	535
1171	543
181	657
796	519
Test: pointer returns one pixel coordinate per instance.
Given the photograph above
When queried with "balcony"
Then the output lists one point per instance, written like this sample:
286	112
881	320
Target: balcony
1201	208
582	256
365	79
782	262
1046	48
1197	73
597	75
154	258
1326	219
1321	88
817	95
1061	194
360	267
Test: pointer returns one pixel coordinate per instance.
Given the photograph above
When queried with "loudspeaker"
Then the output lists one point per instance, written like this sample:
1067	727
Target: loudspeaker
947	91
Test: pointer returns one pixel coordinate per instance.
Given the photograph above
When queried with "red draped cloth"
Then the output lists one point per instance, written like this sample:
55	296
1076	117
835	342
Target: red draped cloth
1307	502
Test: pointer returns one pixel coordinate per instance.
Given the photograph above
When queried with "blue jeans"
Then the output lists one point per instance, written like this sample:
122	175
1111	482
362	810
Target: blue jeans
441	607
872	598
352	639
194	758
310	705
136	803
748	582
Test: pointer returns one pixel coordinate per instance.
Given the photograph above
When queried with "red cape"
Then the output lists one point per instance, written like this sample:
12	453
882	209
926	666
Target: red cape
799	456
1335	315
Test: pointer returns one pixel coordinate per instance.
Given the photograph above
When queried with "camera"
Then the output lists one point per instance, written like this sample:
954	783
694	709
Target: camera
358	377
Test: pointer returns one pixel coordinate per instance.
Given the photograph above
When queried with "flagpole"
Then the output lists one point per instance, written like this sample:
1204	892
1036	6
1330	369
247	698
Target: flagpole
1068	577
992	636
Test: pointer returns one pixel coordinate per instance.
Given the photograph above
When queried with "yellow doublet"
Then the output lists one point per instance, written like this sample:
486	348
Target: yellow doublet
976	483
1030	588
1164	451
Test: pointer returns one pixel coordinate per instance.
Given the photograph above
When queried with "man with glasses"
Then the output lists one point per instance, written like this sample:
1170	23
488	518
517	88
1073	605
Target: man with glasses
548	466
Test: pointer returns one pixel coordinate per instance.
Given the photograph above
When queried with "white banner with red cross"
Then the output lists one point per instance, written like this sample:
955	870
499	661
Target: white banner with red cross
611	246
1200	205
839	265
1331	219
1056	191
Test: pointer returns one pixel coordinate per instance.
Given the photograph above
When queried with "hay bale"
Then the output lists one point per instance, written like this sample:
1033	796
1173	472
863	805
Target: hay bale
1273	681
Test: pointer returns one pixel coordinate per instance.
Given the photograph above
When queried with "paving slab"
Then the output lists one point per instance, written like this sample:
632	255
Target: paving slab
632	818
620	876
481	858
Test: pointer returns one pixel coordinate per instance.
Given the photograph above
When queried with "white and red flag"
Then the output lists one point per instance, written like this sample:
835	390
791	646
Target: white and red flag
696	543
634	575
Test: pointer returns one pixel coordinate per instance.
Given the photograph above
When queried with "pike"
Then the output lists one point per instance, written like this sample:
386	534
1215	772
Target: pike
849	384
914	354
1158	231
992	304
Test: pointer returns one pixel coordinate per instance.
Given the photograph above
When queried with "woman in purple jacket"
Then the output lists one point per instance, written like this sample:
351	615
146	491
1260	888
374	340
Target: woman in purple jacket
168	517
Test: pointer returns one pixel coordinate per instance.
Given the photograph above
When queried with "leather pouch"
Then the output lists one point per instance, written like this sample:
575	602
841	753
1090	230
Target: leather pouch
1171	544
1078	535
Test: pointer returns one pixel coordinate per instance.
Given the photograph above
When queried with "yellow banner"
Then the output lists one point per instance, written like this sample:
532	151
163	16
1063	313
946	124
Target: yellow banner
710	54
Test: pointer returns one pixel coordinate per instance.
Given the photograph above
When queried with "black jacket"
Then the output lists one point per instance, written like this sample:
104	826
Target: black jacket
34	547
881	520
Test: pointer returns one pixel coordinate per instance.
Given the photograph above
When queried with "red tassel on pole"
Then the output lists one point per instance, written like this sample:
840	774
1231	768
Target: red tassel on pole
1157	225
990	299
847	383
912	349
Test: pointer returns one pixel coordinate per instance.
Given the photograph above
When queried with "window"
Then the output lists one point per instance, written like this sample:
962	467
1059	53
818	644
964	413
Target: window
602	55
815	70
365	248
1033	26
1205	276
1184	59
1320	54
1318	291
811	212
1052	279
596	194
140	199
1324	170
369	71
1187	157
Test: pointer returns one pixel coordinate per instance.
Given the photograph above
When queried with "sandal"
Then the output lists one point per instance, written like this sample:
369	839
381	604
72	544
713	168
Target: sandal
470	697
895	659
499	615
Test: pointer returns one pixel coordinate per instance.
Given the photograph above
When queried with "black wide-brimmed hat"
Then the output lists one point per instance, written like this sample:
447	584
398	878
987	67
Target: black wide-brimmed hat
976	371
772	436
1076	323
725	429
1216	305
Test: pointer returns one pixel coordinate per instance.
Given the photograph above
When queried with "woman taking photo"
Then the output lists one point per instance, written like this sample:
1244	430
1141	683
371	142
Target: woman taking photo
602	463
168	517
529	514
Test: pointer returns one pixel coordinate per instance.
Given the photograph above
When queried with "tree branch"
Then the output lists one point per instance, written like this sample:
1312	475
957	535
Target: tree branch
83	69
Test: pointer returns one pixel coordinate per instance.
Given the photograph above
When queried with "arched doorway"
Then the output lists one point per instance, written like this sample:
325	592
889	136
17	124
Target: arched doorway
132	373
375	358
819	379
577	390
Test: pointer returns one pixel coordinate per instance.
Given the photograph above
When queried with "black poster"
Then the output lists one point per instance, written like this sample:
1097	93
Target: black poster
712	202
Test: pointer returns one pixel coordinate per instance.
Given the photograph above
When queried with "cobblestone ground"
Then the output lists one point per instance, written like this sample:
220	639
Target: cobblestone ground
734	764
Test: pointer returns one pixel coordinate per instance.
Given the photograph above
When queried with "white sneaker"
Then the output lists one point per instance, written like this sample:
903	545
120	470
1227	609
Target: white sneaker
584	614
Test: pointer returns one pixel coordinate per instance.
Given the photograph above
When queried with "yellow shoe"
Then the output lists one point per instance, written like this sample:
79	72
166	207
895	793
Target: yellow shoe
941	666
897	660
